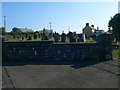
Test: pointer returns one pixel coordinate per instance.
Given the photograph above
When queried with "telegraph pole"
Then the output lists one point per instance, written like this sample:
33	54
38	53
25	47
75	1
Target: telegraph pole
5	22
69	28
50	25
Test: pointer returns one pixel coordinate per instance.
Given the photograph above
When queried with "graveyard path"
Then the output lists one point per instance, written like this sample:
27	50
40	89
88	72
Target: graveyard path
100	75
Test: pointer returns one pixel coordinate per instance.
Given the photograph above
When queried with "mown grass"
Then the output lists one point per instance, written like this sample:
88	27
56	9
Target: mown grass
90	40
40	39
115	53
25	39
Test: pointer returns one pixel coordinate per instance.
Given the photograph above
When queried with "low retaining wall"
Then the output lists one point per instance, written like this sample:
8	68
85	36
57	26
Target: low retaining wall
49	51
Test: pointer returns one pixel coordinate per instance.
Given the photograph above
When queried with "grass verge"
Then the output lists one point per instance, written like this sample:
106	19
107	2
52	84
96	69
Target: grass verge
115	53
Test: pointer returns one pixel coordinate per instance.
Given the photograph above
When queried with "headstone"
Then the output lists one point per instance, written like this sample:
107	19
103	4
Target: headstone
29	38
50	35
46	38
72	39
63	37
22	38
13	36
94	37
18	37
26	35
43	36
35	36
38	35
56	37
78	39
83	37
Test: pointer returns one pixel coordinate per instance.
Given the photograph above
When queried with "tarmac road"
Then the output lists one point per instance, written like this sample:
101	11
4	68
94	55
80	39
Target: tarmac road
81	75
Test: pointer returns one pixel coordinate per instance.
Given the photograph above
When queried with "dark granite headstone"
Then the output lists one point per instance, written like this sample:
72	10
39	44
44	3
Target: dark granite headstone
29	38
70	36
26	35
56	37
38	35
22	38
35	36
18	37
43	36
50	35
13	36
63	37
46	38
78	39
81	38
72	39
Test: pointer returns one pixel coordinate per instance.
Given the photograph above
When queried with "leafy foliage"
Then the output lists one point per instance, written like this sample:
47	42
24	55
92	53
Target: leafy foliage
3	31
115	53
17	31
114	25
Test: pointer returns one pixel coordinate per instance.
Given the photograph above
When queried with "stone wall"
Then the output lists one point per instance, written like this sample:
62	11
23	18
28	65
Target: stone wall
49	51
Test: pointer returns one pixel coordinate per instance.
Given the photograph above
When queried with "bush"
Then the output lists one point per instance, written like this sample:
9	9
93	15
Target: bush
115	53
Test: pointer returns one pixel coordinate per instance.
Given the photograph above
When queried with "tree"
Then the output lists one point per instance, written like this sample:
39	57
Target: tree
16	31
114	26
3	31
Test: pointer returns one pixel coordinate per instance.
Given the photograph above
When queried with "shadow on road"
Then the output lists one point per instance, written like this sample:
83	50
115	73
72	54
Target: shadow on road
74	64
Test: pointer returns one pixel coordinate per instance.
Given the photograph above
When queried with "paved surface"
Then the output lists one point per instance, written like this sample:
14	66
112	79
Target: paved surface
80	75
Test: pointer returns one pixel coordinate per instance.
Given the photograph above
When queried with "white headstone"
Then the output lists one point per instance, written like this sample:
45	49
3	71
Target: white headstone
83	37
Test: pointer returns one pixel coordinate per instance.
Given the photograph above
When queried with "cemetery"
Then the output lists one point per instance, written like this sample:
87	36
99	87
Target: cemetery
72	57
46	45
60	45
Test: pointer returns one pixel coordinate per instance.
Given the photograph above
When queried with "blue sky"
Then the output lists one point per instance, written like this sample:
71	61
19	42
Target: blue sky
64	16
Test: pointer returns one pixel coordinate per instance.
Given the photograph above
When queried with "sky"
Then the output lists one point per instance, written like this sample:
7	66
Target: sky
64	16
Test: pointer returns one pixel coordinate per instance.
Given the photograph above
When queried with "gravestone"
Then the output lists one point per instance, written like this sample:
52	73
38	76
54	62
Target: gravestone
56	37
38	35
18	37
72	39
78	39
43	36
83	37
29	38
70	36
26	35
63	37
94	37
35	36
22	38
13	36
46	38
50	35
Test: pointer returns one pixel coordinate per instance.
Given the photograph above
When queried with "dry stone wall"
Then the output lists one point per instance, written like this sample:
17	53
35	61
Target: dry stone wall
50	51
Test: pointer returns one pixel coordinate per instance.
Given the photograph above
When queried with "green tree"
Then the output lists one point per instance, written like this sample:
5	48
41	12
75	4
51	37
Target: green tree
3	31
114	26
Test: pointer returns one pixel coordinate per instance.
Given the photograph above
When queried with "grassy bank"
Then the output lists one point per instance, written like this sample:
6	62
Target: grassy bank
115	53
